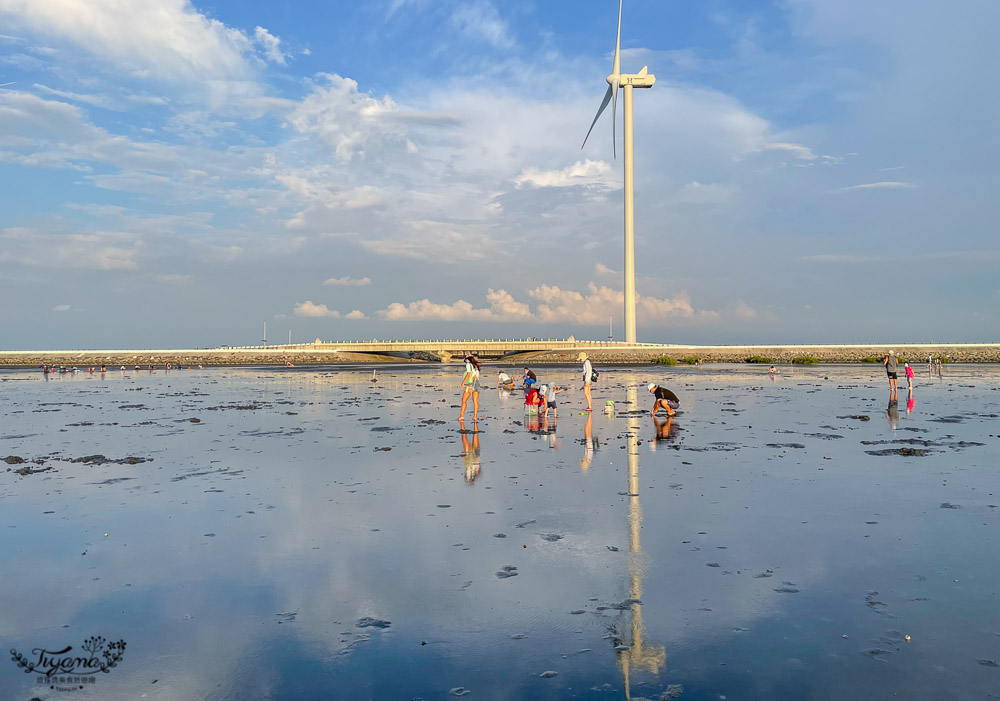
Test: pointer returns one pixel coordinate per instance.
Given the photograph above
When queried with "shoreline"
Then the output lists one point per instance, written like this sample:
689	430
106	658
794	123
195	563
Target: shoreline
778	355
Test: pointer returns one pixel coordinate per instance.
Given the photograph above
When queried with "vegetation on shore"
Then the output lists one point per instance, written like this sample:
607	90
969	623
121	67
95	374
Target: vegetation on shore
757	359
804	360
665	360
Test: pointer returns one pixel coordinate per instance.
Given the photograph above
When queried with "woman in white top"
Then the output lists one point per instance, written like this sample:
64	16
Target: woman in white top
588	370
470	385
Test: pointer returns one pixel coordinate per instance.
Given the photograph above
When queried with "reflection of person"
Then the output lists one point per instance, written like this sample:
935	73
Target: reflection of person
470	452
892	412
890	370
470	385
909	376
504	380
664	399
910	403
662	430
588	377
590	444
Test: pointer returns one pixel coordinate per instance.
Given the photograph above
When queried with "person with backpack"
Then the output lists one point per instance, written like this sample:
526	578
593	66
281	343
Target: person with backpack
589	376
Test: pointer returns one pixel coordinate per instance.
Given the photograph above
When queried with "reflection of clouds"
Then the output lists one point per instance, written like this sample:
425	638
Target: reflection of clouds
321	556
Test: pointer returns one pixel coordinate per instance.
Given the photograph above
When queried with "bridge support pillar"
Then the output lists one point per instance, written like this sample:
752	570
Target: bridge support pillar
444	355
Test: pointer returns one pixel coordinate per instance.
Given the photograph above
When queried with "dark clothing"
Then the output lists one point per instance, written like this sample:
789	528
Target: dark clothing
661	393
892	376
531	375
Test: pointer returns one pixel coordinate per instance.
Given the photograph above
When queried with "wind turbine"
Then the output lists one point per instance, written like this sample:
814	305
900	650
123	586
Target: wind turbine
626	81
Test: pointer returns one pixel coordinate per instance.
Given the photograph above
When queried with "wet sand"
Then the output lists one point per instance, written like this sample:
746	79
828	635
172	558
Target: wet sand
305	533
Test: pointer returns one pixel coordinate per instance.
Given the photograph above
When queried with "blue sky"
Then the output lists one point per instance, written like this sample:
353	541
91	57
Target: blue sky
176	173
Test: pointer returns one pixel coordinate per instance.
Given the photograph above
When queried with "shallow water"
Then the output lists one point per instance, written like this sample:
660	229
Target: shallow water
315	536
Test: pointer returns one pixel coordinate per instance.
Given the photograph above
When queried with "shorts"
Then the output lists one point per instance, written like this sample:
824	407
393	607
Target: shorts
892	375
672	404
551	405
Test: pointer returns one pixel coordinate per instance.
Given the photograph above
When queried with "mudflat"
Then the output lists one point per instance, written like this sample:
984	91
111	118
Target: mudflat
307	533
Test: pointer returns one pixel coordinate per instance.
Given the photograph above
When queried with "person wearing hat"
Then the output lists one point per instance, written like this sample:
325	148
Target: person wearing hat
665	399
890	363
588	377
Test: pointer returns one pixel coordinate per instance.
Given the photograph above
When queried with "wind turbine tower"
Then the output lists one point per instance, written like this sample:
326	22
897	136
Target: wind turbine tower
626	81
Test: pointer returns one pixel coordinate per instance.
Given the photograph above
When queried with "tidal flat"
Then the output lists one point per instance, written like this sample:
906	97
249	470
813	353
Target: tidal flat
305	533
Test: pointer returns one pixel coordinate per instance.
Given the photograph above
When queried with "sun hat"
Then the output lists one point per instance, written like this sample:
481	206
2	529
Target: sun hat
582	356
892	352
651	386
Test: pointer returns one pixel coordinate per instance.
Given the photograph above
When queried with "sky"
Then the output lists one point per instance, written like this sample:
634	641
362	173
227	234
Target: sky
177	173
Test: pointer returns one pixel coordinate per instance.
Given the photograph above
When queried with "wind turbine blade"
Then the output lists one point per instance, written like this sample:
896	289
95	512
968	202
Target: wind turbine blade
614	116
604	103
616	69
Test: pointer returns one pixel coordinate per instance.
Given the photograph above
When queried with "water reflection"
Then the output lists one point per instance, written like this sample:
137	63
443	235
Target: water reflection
590	444
470	451
892	411
637	653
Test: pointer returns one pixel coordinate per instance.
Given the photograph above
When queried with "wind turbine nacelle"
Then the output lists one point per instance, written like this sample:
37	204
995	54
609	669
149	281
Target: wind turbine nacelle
642	79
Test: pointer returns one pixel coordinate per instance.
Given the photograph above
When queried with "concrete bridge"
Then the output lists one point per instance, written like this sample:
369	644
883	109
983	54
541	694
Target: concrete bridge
447	349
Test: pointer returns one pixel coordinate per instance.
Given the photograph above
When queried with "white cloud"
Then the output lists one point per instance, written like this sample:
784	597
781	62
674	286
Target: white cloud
712	193
347	281
169	39
270	44
480	20
586	172
175	278
603	270
553	305
887	185
94	251
346	120
312	310
503	307
434	241
61	308
356	314
599	302
742	310
797	150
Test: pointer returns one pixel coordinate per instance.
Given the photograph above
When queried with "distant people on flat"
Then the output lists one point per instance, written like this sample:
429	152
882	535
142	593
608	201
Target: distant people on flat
773	370
663	399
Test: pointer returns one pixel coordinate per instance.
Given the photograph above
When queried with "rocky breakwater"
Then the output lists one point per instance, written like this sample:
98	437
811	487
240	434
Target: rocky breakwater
192	358
915	353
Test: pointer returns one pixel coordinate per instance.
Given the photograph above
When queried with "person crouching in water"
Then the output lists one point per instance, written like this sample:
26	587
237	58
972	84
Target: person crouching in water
470	385
504	380
665	399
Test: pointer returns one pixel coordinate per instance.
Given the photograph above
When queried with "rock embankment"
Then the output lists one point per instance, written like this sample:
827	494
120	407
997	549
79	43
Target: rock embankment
958	353
115	359
955	353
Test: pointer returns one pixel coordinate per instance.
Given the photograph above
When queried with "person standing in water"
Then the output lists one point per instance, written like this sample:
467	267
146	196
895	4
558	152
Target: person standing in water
890	363
909	377
588	377
470	385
